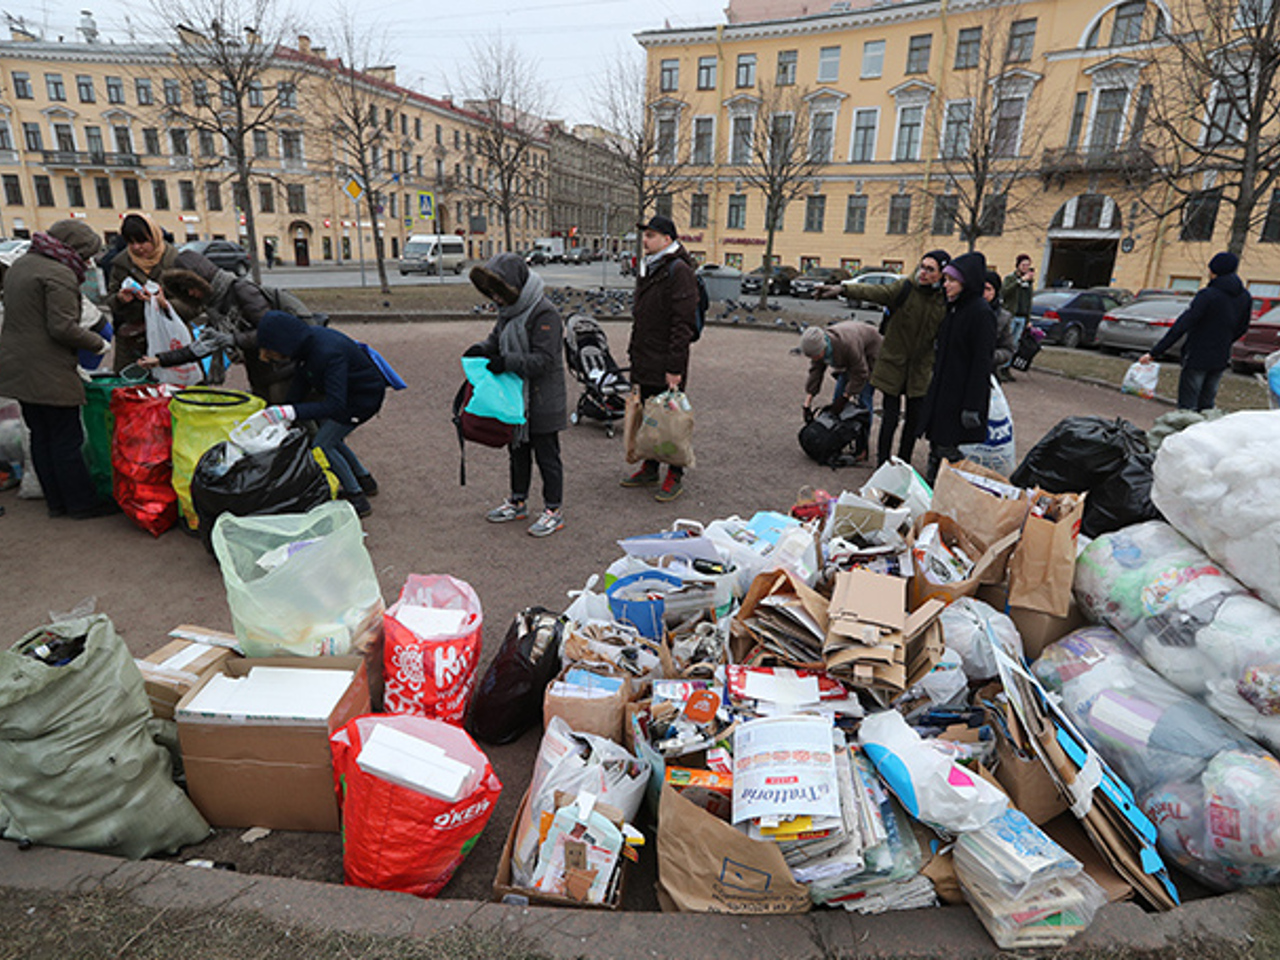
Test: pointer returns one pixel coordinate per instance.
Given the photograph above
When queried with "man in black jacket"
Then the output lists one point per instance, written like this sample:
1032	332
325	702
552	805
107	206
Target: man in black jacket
1217	317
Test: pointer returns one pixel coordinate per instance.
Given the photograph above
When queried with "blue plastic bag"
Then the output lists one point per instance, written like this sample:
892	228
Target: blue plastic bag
394	380
496	395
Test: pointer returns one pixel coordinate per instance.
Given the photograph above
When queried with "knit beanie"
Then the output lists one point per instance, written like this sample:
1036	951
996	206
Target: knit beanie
1224	263
940	256
813	342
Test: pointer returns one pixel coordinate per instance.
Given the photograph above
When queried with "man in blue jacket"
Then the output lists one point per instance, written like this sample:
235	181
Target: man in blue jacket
350	385
1217	317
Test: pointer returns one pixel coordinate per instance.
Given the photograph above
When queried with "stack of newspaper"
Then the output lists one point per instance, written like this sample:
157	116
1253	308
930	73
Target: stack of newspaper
787	630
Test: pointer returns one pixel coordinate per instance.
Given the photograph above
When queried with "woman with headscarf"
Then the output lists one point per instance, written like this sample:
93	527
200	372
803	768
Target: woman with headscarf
527	340
146	255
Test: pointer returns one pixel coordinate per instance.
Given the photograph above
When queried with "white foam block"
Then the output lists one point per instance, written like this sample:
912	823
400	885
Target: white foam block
415	764
272	693
430	621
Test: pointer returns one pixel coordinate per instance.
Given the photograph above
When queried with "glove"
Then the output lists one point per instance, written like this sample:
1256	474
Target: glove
808	414
106	345
838	404
475	350
272	416
211	341
970	419
497	364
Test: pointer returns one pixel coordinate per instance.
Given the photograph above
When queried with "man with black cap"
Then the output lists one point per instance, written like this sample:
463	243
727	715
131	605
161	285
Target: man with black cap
1217	317
914	306
664	323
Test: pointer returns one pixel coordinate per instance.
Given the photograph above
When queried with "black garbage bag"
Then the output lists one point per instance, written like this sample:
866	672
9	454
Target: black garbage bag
837	438
509	699
1108	459
287	479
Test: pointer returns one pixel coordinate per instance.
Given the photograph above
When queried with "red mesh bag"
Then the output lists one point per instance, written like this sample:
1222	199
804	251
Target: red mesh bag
432	675
142	456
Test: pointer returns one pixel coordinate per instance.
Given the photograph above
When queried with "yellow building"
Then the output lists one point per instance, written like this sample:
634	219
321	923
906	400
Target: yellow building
84	133
888	96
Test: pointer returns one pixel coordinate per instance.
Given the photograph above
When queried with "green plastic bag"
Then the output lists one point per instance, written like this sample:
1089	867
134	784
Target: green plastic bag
98	425
78	765
203	417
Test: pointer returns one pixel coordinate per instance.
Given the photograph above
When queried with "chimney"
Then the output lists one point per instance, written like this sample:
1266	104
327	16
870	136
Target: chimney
321	52
304	44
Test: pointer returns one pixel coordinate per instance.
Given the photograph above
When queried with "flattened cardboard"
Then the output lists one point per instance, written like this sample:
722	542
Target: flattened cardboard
871	639
276	775
166	686
742	640
1068	834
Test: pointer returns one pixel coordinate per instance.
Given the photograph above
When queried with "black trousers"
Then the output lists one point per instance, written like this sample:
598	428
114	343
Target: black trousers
890	410
936	455
545	447
56	439
647	391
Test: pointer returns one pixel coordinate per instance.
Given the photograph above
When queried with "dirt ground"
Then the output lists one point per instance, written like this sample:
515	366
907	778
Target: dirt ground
746	386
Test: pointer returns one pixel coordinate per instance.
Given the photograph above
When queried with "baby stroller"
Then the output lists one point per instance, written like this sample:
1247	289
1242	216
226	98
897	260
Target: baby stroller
604	383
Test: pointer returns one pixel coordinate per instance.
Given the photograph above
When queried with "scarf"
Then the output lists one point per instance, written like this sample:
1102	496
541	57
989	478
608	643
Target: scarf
513	338
652	259
147	264
55	249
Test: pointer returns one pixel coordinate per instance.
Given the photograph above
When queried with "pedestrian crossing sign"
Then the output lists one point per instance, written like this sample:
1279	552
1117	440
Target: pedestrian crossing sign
426	205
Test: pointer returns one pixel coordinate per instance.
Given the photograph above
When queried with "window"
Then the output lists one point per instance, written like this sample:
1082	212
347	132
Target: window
781	143
32	138
1126	28
910	126
968	48
93	140
661	206
132	194
737	211
6	137
22	85
698	207
1008	127
12	190
1271	226
899	213
84	88
256	98
457	139
389	122
187	194
787	60
945	209
1226	118
63	138
199	93
208	146
706	73
124	139
1078	114
746	73
1140	113
1200	215
666	146
291	144
1253	13
1107	119
213	196
828	64
1022	41
261	144
872	59
815	213
740	146
955	130
44	190
178	144
75	192
822	136
296	197
172	93
991	220
151	141
703	139
266	198
115	90
54	86
855	214
417	128
142	91
918	50
287	95
227	93
160	194
864	135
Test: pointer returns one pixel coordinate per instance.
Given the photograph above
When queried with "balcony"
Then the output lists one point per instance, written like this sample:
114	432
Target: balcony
1062	162
83	158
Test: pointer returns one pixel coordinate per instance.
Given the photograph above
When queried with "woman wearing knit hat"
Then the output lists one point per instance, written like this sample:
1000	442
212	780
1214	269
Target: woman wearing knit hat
1217	317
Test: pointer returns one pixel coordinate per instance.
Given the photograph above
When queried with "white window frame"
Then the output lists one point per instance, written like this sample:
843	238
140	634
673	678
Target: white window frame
1095	97
827	61
875	134
748	143
946	125
865	74
1022	123
830	153
693	140
668	157
898	130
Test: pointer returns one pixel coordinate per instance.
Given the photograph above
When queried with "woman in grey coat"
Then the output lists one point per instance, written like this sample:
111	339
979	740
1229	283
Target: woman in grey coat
527	340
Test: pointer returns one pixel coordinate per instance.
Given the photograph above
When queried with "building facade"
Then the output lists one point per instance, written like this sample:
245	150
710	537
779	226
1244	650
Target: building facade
889	97
592	201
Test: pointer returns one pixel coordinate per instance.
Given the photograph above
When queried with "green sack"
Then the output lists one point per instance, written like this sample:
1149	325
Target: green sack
99	423
78	766
203	417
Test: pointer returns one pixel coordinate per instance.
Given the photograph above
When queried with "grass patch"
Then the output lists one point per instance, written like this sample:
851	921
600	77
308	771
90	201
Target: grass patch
110	924
1237	392
424	296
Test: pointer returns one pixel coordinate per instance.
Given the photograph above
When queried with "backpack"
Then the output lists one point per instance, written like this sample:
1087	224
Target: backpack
704	303
487	431
827	436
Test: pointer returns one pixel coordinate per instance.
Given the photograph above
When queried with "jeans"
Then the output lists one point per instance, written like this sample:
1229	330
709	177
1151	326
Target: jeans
56	439
331	438
867	397
546	448
1198	389
891	405
1019	324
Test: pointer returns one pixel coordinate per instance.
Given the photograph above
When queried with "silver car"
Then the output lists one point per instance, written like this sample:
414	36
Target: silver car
1139	325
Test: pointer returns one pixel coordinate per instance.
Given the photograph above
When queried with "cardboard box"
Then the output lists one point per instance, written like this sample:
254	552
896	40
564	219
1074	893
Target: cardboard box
1037	629
276	774
872	641
178	666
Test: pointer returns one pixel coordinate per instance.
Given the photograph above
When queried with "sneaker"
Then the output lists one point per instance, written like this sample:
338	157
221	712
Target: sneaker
548	522
508	510
671	488
359	501
368	485
644	477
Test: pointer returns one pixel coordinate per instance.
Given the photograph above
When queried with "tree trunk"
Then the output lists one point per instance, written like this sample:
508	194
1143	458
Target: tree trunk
371	203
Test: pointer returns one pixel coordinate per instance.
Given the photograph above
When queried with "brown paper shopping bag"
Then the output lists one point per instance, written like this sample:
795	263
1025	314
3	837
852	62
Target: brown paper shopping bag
985	516
666	430
631	425
1042	568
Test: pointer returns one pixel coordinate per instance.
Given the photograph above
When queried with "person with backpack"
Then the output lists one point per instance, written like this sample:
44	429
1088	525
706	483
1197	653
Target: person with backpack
664	324
904	366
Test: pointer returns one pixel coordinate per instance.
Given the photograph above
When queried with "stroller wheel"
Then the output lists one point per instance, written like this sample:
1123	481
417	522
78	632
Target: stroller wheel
573	418
609	431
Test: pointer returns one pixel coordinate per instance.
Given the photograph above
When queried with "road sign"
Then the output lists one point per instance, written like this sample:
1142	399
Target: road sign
353	189
426	205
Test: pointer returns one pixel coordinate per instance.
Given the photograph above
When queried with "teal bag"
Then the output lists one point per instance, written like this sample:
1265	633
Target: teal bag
499	396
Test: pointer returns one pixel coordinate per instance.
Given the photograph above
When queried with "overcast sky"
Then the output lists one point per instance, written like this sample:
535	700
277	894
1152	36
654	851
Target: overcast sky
572	40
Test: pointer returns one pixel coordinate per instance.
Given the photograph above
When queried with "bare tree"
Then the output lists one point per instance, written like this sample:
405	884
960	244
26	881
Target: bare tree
232	85
1211	127
777	150
504	89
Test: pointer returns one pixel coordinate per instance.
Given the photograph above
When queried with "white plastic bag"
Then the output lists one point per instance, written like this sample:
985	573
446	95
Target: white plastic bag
964	629
998	452
899	479
165	331
1141	379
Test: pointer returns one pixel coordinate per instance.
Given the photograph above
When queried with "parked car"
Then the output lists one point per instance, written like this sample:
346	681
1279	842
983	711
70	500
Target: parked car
1071	317
578	255
535	257
877	277
11	250
223	253
1263	305
779	280
1140	324
805	284
1163	293
1262	338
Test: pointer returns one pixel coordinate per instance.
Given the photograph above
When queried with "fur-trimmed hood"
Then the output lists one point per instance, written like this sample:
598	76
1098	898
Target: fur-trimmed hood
179	283
502	278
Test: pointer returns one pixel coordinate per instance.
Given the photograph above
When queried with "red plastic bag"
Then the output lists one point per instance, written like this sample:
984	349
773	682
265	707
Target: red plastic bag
142	456
432	675
396	838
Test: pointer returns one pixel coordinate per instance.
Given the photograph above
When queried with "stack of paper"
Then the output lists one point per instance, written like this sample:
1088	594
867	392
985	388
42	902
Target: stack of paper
415	764
586	685
780	691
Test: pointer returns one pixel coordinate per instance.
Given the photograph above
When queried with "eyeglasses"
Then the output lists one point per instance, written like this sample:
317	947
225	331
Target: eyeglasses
926	268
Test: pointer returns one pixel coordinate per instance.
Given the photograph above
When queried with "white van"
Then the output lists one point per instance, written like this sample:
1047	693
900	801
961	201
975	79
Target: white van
432	253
